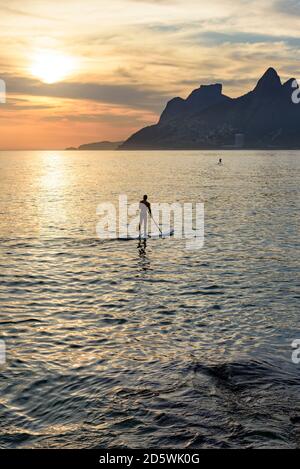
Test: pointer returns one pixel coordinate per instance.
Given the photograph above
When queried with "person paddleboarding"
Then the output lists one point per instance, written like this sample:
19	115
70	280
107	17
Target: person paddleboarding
145	208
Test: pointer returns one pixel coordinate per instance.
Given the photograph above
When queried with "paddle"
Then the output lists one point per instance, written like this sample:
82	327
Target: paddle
156	224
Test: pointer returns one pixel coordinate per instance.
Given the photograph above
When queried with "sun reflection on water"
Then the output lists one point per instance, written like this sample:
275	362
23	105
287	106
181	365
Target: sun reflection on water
53	184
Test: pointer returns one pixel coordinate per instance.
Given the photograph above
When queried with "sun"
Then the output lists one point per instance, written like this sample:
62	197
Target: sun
51	66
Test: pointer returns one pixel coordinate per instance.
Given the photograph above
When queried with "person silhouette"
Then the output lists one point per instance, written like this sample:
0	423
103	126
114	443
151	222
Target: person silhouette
145	208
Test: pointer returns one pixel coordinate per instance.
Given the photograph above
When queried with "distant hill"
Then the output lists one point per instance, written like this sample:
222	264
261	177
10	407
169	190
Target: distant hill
263	118
105	145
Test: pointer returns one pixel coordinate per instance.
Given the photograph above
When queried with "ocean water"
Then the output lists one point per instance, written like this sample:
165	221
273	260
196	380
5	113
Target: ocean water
112	345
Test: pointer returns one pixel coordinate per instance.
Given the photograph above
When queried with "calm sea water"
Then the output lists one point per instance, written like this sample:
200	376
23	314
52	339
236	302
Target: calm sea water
109	345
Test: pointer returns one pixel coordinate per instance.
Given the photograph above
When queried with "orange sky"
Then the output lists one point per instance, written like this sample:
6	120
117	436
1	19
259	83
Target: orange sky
84	71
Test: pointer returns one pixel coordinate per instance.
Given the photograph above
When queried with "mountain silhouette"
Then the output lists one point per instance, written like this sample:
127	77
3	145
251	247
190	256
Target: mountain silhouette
266	117
104	145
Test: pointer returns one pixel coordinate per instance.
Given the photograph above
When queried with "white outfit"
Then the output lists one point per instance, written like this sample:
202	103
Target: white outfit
143	218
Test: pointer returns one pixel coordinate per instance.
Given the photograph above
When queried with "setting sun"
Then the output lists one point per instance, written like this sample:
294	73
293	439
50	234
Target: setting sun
51	66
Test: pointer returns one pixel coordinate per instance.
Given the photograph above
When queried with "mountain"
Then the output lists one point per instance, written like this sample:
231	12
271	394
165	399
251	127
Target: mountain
105	145
265	117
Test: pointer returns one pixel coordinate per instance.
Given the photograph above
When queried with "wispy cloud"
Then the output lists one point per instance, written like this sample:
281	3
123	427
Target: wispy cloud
240	37
14	105
28	14
288	7
105	118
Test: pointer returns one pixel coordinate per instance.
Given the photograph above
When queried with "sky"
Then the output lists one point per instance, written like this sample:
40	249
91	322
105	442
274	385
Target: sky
85	71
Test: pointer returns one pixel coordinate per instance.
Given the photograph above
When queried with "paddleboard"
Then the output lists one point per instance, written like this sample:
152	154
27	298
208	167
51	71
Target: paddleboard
164	234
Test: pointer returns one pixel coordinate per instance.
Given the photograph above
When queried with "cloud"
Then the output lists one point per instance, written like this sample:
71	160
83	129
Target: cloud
288	7
16	104
216	38
104	118
18	12
116	94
